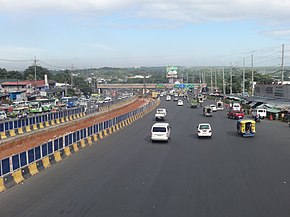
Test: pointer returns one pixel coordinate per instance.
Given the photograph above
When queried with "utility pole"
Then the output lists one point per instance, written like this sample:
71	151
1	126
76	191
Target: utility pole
243	76
224	86
187	77
215	79
211	85
72	75
282	77
35	60
231	78
252	69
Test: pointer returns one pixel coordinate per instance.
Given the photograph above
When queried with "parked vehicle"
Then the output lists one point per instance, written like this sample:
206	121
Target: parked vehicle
246	128
259	112
42	105
160	132
236	107
70	102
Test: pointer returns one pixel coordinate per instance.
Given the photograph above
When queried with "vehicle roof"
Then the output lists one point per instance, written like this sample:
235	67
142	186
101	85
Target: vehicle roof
212	105
160	125
246	121
203	123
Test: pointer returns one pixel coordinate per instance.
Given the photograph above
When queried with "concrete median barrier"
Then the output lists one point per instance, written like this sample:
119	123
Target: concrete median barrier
2	186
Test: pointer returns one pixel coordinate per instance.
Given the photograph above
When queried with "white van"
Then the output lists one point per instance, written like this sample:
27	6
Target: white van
261	112
160	132
236	106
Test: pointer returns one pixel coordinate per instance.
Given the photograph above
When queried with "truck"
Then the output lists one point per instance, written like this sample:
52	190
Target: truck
160	114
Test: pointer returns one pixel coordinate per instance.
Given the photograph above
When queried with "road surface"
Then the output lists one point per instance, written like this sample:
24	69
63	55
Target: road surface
125	175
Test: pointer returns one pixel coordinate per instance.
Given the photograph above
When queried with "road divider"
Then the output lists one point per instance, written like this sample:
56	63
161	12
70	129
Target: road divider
15	169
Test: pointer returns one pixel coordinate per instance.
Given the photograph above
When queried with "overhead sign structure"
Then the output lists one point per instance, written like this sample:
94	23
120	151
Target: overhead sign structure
171	72
184	86
162	86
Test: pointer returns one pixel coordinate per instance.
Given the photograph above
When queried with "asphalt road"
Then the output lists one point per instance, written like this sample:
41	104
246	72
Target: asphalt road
125	175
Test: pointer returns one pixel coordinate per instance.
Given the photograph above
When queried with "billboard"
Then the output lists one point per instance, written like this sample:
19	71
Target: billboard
171	72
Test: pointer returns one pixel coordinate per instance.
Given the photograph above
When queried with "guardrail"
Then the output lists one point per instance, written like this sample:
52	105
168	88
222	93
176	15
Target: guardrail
16	168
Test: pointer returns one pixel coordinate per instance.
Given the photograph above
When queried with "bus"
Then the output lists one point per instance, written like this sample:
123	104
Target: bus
70	102
42	105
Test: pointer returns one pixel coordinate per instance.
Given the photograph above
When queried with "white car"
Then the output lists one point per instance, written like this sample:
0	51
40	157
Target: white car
160	114
180	102
213	107
168	98
160	132
204	130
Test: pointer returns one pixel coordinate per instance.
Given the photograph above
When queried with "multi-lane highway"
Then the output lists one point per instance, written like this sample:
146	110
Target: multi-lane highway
125	175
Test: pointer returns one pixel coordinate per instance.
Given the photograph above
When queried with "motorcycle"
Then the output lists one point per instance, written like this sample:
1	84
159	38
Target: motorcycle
257	118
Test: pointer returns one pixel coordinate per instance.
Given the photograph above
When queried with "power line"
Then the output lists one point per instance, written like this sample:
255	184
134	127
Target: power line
10	60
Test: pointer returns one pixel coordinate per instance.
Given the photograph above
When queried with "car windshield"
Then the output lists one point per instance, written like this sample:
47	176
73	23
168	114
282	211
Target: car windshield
204	127
159	129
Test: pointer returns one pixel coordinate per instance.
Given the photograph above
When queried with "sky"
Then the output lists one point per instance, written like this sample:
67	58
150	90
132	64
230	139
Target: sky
64	34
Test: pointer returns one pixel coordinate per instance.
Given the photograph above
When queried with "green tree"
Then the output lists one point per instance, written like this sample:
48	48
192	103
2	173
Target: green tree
29	73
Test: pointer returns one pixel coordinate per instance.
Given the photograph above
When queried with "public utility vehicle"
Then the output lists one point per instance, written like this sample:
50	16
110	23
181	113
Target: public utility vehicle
246	128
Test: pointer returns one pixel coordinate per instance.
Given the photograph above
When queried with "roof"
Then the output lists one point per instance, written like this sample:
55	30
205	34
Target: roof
246	121
38	83
160	125
273	110
15	83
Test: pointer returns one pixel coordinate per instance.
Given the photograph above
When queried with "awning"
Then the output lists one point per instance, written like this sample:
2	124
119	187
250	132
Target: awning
273	110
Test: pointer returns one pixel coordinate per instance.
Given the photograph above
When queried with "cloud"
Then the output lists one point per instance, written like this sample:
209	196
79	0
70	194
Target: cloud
178	10
277	33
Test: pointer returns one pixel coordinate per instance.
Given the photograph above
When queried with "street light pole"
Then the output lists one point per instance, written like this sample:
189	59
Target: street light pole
252	69
34	70
224	86
231	78
243	76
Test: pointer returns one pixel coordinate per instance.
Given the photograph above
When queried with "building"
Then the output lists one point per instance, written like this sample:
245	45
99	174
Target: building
281	92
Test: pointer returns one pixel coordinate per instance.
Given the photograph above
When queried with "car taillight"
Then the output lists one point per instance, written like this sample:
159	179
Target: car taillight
209	131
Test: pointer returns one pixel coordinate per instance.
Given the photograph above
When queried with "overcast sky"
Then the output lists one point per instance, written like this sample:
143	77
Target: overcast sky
122	33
